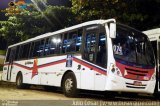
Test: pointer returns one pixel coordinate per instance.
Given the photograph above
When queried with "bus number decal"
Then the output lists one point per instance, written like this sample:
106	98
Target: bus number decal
117	49
69	60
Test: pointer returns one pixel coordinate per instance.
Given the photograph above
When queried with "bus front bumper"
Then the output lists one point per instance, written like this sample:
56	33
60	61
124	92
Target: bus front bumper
120	84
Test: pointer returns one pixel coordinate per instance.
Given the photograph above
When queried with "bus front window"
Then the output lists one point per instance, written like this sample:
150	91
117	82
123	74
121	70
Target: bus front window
132	47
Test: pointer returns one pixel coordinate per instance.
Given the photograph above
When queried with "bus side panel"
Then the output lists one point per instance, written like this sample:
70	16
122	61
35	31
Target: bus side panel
52	74
92	76
14	73
4	74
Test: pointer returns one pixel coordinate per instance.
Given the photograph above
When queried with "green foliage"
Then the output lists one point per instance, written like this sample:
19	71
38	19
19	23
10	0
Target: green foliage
59	17
1	68
21	27
141	14
95	9
1	61
1	64
2	52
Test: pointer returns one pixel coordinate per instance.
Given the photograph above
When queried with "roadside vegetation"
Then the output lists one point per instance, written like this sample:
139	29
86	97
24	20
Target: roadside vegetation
2	52
1	64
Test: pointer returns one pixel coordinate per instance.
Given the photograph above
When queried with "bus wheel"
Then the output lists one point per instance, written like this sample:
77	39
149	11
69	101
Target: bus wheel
69	85
19	82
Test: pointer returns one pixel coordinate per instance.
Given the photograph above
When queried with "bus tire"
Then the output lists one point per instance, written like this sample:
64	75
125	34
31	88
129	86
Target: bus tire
69	85
19	82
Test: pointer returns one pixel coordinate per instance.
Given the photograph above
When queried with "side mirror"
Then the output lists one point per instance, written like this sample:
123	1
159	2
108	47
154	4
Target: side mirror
112	30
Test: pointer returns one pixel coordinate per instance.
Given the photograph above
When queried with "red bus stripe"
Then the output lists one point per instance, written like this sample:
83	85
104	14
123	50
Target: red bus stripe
89	66
63	61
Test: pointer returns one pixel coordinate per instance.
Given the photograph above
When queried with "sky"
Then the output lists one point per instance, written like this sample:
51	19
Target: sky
4	5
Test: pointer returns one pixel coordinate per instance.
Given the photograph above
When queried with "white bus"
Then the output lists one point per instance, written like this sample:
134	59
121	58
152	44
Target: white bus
154	36
99	55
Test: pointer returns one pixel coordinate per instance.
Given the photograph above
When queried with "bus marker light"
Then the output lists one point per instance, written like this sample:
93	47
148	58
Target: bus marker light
125	72
113	70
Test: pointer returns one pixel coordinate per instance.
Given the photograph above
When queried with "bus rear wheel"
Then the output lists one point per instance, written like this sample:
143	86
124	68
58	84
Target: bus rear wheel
19	82
69	85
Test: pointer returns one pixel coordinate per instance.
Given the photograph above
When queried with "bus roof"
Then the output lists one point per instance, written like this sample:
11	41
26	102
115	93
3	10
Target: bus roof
64	30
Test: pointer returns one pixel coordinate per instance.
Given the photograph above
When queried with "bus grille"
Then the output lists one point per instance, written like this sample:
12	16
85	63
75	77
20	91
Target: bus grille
131	85
136	72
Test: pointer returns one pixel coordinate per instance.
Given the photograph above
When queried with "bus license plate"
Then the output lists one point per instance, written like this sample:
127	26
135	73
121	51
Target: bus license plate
137	83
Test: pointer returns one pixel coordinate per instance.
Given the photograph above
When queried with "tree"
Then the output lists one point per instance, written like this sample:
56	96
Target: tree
21	27
59	17
7	31
141	14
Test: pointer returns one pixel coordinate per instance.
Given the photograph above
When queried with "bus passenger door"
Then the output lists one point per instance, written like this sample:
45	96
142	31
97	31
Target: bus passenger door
89	53
94	52
10	65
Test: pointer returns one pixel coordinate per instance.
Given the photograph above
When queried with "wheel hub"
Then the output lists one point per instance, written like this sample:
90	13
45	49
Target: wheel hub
68	85
19	81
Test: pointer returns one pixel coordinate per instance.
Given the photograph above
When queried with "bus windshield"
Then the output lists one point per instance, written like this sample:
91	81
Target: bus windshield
132	47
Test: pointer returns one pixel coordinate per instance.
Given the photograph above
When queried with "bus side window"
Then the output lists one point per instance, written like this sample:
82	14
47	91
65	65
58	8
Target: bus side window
46	47
55	44
36	50
31	50
79	40
17	52
71	42
25	53
8	54
90	47
41	48
101	53
21	52
59	44
64	45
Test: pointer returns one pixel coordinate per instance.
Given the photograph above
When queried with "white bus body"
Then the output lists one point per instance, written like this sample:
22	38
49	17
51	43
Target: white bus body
154	36
83	56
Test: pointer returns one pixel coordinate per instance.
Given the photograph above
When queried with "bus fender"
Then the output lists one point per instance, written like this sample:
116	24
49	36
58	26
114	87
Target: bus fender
76	76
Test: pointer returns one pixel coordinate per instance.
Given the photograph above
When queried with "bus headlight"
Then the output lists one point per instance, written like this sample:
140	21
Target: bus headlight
115	70
153	77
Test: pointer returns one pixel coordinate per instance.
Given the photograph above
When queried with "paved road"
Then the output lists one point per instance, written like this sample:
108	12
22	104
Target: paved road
8	91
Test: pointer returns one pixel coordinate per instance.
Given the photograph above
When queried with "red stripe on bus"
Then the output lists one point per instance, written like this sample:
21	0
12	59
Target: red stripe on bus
90	66
52	63
63	61
22	66
40	66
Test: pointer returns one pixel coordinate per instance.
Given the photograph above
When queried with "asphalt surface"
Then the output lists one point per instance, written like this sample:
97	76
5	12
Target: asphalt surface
38	96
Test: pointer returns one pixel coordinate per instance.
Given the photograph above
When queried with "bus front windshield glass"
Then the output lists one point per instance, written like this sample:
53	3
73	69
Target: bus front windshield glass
132	47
